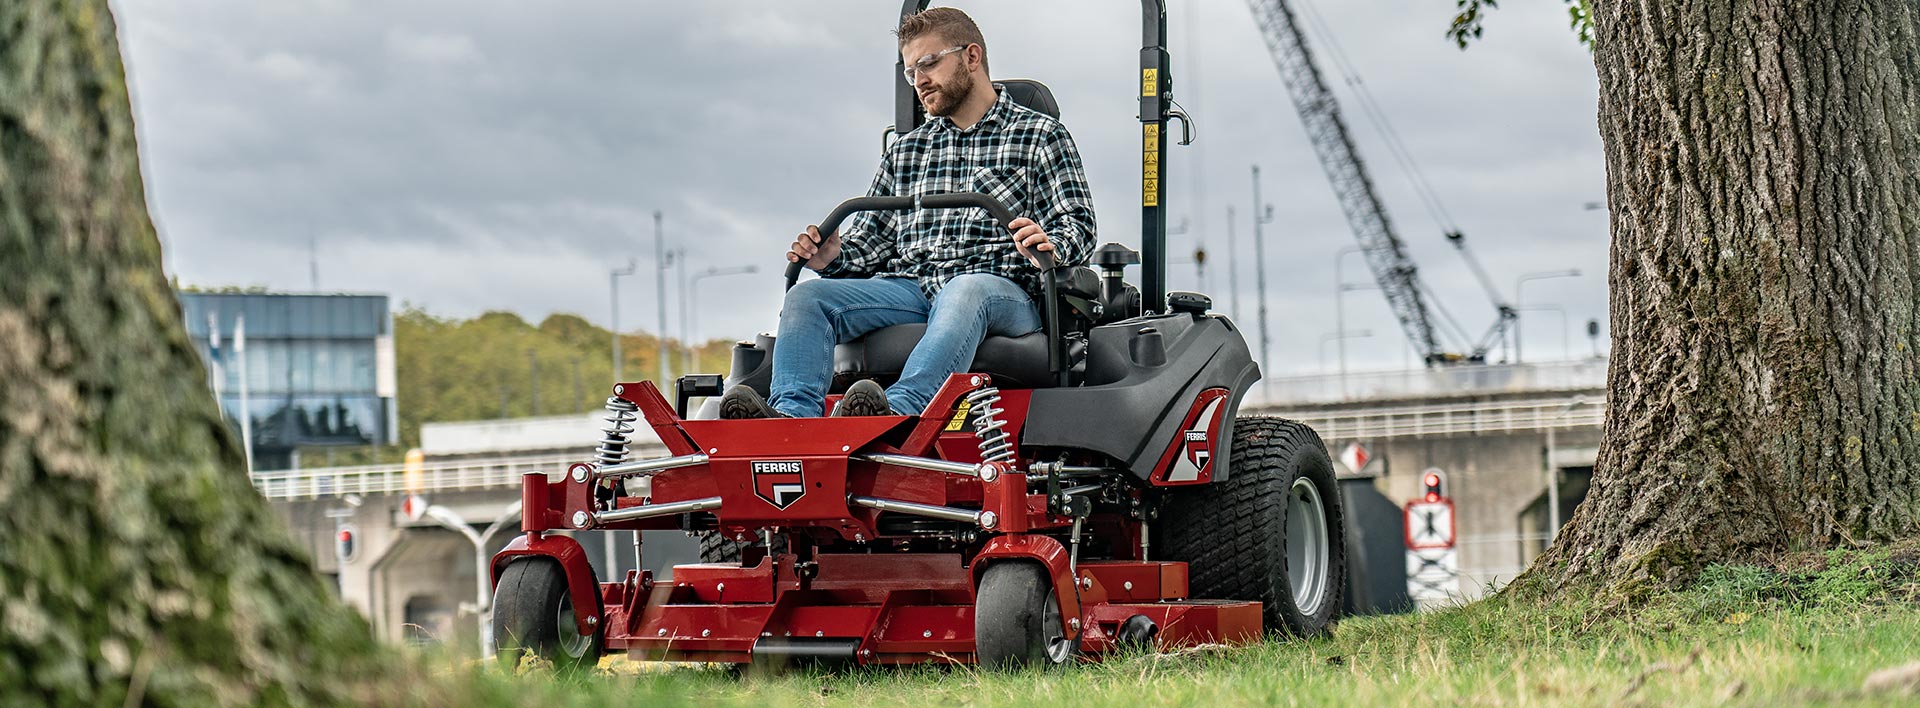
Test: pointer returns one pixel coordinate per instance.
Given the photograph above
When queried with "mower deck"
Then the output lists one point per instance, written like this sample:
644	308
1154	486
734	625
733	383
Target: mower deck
897	608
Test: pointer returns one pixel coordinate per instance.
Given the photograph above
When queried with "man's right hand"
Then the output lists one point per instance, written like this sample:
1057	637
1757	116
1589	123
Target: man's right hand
813	250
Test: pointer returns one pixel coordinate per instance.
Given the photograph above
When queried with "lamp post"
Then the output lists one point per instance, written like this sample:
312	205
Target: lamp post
1566	350
1519	299
613	280
1340	287
1233	270
1336	337
482	561
1553	471
686	331
1261	217
663	261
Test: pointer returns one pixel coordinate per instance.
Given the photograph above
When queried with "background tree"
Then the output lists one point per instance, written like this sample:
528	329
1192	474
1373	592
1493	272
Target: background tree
1763	179
134	554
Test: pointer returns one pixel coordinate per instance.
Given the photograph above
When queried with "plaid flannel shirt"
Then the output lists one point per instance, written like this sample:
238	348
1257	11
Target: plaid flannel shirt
1018	155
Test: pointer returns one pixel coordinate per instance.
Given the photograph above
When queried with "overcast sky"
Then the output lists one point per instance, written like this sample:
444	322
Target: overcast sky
478	155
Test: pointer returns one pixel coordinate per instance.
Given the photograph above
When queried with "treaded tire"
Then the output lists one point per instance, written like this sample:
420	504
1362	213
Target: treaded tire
1233	534
528	605
1016	619
715	548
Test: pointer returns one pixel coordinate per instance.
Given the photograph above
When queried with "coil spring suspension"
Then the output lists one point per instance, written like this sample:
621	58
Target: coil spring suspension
995	444
613	442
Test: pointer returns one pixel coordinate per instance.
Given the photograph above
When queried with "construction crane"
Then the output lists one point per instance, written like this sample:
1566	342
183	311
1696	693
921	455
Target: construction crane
1386	255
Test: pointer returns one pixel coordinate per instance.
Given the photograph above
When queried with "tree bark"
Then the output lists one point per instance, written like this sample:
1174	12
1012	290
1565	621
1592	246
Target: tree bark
135	556
1763	174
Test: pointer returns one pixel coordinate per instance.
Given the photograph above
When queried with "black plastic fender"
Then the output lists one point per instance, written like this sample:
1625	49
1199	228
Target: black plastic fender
1143	375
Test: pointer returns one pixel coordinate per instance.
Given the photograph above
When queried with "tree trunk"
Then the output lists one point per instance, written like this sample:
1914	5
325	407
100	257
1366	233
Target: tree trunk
1763	176
135	557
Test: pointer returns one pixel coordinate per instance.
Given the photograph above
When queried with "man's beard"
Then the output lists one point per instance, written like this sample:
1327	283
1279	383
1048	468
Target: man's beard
947	99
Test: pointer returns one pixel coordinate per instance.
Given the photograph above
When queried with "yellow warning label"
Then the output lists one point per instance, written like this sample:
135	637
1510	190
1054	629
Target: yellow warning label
1150	165
959	420
1149	82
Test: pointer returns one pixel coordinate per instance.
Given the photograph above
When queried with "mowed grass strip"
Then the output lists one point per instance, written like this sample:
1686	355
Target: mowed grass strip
1806	631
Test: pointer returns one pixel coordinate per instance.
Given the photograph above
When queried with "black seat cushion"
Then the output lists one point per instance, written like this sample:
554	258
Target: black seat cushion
1032	94
1014	362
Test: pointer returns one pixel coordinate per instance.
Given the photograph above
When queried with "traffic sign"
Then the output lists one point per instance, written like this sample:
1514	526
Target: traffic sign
1355	457
414	506
1430	524
1433	574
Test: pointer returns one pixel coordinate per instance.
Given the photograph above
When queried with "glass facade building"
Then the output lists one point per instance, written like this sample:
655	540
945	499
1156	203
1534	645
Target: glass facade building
319	368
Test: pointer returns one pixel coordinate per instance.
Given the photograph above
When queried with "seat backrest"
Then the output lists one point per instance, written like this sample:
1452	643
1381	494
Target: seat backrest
1032	94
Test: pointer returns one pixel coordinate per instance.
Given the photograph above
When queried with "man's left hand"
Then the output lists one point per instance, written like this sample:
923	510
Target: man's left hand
1028	237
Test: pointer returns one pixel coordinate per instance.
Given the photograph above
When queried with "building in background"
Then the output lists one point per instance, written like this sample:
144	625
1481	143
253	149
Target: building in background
319	368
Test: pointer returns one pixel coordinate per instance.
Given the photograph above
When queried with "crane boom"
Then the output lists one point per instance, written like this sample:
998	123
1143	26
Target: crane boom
1398	277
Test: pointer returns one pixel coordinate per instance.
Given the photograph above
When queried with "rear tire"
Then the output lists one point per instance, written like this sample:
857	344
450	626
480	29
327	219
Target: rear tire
1016	619
1272	532
533	614
715	548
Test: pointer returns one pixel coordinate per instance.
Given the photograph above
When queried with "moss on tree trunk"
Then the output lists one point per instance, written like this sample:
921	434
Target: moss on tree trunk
134	553
1763	165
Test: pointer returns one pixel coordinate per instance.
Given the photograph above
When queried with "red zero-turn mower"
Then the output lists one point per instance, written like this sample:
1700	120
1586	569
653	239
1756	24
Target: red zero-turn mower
1084	488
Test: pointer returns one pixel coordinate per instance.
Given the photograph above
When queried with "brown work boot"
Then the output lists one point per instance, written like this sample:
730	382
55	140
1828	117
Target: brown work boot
742	401
864	397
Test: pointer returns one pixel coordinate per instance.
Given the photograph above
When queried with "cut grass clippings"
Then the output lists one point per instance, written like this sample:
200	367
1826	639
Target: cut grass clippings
1807	630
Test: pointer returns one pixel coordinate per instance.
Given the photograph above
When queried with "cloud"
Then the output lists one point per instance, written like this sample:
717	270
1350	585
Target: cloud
433	48
471	156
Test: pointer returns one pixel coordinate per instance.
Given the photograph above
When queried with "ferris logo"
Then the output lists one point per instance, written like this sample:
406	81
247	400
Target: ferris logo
779	482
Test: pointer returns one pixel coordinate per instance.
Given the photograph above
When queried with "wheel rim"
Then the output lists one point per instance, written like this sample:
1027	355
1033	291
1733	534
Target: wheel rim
1059	648
1306	546
571	642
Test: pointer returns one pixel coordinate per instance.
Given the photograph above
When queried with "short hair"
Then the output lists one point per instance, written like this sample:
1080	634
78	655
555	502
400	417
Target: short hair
948	24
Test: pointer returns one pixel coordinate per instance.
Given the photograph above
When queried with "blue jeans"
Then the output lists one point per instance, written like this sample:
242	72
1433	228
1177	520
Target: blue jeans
823	312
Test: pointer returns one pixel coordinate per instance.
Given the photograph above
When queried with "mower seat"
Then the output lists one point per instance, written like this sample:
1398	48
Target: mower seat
1014	362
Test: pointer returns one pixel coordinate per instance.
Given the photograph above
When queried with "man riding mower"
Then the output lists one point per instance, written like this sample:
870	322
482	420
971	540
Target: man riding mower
1055	469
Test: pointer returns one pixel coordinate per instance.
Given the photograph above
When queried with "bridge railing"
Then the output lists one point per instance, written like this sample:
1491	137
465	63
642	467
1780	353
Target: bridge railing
452	475
1480	418
1437	382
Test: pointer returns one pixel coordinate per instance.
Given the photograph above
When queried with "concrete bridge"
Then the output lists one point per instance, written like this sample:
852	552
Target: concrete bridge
1506	437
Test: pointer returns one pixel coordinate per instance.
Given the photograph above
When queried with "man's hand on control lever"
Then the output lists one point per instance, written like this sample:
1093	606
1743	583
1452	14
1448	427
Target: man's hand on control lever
1028	237
814	251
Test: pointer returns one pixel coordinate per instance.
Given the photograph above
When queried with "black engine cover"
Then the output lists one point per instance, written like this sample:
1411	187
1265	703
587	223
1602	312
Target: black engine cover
1142	377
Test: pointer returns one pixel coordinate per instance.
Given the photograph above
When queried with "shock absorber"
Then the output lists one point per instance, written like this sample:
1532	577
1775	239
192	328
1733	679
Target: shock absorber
613	440
995	444
612	451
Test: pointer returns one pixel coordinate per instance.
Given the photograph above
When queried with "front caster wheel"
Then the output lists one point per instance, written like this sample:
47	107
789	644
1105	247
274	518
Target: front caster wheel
1016	619
533	615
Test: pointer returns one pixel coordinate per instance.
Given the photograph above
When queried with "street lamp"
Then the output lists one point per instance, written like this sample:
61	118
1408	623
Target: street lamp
1566	351
1340	288
662	261
1519	299
686	330
1233	270
613	280
1553	471
1261	217
1338	337
482	561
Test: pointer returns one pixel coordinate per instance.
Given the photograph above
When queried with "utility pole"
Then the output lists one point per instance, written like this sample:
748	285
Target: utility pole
661	259
533	380
1261	217
313	262
686	345
1233	269
613	280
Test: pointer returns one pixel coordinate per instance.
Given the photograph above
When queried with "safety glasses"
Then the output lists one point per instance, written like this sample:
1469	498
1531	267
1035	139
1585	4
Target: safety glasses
912	72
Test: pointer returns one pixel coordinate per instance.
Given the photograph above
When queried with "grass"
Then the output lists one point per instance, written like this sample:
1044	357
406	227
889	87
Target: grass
1807	630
